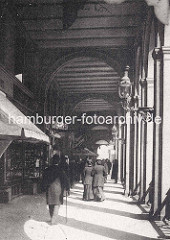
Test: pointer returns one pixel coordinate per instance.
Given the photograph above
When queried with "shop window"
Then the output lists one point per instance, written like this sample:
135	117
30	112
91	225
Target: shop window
13	163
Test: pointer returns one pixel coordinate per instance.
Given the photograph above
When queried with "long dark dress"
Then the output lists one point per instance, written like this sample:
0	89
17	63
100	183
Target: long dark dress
115	171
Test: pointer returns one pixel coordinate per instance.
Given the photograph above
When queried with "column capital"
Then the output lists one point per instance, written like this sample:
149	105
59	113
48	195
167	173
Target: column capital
157	53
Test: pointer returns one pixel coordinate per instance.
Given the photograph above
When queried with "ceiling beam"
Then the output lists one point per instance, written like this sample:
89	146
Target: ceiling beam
85	88
90	83
32	11
92	91
81	64
87	75
82	80
85	33
85	23
87	69
91	79
74	43
59	2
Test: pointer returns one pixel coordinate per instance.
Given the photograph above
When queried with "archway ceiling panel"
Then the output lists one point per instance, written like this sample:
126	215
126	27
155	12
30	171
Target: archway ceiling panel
87	75
91	105
97	24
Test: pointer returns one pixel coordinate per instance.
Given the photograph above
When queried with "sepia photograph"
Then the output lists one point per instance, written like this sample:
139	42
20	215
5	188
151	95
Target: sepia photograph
84	119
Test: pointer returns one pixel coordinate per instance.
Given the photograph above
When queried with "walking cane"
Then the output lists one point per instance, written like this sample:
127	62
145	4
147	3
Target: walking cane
66	206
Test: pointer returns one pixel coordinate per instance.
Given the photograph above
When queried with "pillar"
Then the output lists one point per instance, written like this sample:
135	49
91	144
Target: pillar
166	113
120	152
127	153
158	112
143	140
131	157
135	116
143	83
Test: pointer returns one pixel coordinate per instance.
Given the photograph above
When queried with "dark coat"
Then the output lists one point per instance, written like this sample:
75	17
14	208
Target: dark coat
98	172
88	178
54	182
115	170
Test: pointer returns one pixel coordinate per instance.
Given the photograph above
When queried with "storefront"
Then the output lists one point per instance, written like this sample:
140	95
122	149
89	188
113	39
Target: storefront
23	152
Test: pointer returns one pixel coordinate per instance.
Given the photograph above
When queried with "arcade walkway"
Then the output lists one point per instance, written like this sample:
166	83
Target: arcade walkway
116	218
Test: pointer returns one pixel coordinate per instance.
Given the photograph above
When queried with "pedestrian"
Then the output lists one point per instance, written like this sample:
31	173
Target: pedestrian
98	183
72	167
88	181
109	165
106	169
65	165
54	182
115	170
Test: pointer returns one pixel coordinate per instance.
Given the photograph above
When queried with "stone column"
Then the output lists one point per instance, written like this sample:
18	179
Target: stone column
120	152
124	155
158	112
143	141
149	153
135	116
127	153
143	83
166	113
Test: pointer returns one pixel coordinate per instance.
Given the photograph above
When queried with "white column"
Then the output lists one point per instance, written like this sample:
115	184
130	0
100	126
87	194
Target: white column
120	155
127	154
149	152
166	114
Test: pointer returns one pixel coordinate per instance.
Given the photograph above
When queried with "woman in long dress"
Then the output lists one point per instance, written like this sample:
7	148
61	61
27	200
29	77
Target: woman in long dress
88	181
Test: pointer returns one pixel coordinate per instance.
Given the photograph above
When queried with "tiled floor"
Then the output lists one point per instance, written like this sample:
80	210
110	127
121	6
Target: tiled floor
118	217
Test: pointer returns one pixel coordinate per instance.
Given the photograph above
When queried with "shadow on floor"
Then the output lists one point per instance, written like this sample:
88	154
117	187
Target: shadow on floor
114	192
103	231
106	210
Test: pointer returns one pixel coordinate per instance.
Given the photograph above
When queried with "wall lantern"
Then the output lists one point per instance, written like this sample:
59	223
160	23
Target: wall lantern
125	90
114	132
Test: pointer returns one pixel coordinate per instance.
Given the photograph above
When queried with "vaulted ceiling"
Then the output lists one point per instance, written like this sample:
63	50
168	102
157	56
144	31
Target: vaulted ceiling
75	25
94	23
87	75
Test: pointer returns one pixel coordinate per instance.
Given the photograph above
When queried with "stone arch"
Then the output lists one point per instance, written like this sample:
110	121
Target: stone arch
104	98
64	60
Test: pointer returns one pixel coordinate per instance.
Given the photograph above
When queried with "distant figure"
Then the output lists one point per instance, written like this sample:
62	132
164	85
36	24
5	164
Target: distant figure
88	181
72	167
54	182
106	169
98	183
115	170
81	169
109	165
65	165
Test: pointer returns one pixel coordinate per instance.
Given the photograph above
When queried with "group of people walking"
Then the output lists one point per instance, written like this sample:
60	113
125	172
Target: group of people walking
57	182
94	179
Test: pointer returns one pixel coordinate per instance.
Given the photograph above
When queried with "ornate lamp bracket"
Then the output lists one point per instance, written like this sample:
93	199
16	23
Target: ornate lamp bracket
147	113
